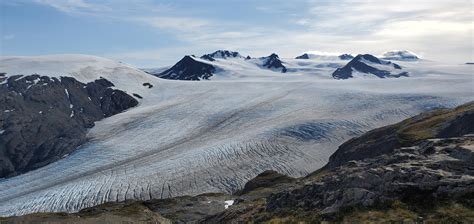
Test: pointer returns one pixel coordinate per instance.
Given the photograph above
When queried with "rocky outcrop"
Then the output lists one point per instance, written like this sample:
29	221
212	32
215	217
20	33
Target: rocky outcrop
273	62
303	56
346	57
42	119
369	65
224	54
442	123
429	171
325	57
188	69
266	179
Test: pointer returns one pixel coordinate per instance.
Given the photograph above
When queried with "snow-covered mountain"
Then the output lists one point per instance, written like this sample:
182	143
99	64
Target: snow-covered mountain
84	68
221	54
49	102
188	138
222	64
325	57
402	55
226	65
366	65
273	62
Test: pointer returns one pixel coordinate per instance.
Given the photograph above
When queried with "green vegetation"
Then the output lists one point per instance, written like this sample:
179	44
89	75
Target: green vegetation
428	125
389	212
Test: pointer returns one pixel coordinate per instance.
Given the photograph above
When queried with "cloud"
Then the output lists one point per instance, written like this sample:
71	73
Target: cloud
424	28
368	16
8	36
182	24
72	6
437	29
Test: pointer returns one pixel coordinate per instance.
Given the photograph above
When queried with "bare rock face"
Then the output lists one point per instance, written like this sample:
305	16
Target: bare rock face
43	119
224	54
443	123
273	62
188	69
435	169
266	179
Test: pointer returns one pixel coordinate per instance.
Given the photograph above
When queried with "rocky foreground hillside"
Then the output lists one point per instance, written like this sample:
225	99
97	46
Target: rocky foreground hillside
43	119
421	169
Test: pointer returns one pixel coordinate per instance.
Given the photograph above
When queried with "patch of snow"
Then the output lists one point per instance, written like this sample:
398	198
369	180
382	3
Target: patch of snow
228	203
84	68
67	93
402	55
2	131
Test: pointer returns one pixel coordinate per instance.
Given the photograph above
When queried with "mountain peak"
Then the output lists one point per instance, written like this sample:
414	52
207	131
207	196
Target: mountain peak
328	56
273	55
366	64
401	55
346	56
303	56
224	54
273	62
188	69
368	57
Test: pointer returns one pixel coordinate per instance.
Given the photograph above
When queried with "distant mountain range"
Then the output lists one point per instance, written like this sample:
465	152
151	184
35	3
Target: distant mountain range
205	67
210	66
325	57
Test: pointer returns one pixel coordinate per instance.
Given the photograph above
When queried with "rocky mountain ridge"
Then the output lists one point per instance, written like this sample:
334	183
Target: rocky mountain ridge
273	62
189	69
43	119
367	64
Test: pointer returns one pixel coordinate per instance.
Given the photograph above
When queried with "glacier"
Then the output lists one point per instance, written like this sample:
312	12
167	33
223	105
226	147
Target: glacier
188	138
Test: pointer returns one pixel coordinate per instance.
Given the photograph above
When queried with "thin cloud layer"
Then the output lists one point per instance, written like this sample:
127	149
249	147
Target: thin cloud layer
438	30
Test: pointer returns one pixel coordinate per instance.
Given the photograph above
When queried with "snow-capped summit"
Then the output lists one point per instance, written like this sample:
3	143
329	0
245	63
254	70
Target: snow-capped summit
84	68
402	55
221	54
367	65
188	68
273	62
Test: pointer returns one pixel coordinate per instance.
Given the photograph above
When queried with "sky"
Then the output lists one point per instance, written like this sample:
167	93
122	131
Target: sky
156	33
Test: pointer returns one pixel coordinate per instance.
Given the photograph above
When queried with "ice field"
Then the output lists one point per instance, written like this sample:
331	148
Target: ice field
188	138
